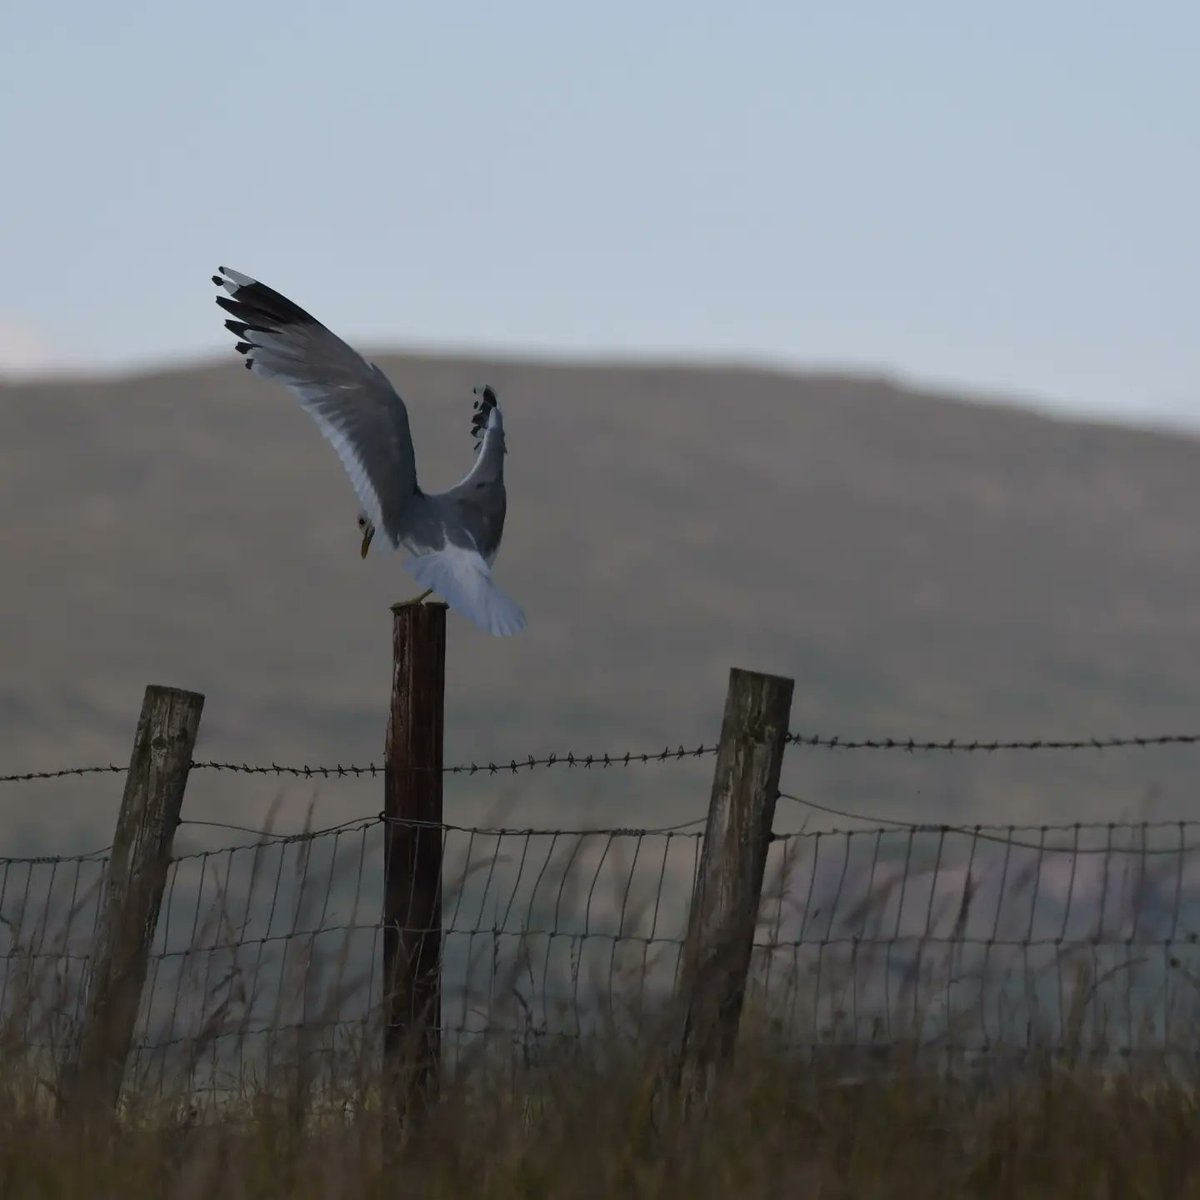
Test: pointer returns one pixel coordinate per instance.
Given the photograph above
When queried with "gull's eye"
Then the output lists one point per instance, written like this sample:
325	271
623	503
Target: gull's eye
362	523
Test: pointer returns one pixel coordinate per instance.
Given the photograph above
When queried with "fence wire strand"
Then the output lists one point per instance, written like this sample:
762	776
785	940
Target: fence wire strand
512	766
1001	834
570	759
977	745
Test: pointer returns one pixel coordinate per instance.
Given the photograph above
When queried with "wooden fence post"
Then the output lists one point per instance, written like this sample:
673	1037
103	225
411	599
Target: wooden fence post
725	904
132	894
412	862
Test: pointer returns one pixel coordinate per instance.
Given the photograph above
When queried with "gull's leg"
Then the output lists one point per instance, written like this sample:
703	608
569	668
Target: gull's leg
415	599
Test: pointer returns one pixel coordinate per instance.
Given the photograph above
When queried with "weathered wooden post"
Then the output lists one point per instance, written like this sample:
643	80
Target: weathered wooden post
132	894
412	862
724	912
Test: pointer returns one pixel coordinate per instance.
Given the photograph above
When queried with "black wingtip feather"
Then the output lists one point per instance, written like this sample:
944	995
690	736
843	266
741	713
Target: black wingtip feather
483	410
265	302
264	307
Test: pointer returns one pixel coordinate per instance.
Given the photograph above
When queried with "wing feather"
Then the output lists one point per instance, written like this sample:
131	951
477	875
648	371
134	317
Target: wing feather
350	399
462	578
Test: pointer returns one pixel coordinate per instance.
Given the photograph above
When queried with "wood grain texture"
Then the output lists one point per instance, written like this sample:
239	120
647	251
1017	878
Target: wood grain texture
413	859
133	891
725	904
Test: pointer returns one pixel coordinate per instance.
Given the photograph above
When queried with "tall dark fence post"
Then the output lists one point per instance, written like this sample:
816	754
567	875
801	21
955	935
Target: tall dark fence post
412	903
132	895
725	904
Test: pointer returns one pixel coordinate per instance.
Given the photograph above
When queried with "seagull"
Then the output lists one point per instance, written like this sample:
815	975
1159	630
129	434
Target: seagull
452	536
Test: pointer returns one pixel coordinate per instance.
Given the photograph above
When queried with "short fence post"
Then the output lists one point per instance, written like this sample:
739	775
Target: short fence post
412	863
133	891
724	911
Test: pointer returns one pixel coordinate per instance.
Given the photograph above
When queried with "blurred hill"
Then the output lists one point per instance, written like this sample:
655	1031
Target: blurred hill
920	565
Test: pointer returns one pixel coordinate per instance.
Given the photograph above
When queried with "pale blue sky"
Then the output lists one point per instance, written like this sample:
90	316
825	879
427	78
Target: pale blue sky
1000	195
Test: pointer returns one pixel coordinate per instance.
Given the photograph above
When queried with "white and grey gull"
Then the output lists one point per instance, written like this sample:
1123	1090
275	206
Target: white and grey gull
452	536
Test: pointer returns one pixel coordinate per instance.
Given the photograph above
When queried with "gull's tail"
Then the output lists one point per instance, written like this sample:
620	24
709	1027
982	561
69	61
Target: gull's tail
462	578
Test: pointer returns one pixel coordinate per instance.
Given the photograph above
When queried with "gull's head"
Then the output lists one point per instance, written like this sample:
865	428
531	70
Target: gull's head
368	532
486	392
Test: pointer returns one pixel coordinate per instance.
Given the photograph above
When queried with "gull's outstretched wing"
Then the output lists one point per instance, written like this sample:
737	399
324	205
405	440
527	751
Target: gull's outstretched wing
351	400
479	502
471	517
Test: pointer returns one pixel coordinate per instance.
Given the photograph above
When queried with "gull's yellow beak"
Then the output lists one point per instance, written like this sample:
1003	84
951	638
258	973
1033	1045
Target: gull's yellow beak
368	534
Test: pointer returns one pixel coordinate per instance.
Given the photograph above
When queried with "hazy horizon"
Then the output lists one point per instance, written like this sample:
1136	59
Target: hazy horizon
1186	424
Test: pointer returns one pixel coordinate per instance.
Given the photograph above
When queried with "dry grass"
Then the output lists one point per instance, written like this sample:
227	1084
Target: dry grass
585	1124
533	1115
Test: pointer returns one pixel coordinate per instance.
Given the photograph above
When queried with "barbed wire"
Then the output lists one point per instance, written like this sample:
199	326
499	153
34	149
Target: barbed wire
512	766
27	776
374	770
956	745
571	760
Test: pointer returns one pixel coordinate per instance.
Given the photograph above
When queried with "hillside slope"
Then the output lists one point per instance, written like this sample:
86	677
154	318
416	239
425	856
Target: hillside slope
919	565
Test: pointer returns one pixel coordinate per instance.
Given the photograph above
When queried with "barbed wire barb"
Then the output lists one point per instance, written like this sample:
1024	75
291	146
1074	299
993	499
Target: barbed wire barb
952	745
572	760
343	771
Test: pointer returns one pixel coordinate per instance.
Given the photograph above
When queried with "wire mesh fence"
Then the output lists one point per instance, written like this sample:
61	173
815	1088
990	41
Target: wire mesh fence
1000	941
963	943
1008	941
274	945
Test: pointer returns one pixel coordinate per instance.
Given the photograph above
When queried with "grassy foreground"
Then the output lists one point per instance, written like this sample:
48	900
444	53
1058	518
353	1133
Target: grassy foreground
586	1128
